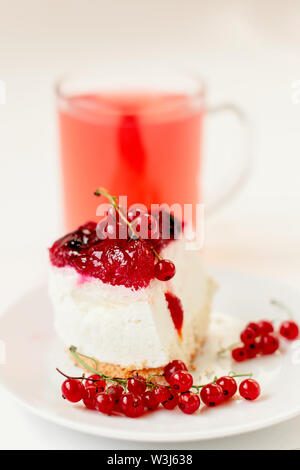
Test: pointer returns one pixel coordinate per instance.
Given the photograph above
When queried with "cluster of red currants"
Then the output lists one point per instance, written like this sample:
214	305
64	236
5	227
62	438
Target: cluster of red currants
260	339
134	396
135	224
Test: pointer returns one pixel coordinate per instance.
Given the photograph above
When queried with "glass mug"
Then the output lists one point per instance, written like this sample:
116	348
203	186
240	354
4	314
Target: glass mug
139	136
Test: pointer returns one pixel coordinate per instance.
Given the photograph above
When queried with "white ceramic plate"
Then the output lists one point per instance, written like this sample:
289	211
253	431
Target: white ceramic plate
33	351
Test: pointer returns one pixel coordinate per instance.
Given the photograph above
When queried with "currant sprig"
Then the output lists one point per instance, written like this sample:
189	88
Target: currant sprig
164	269
259	338
114	202
184	376
230	374
133	395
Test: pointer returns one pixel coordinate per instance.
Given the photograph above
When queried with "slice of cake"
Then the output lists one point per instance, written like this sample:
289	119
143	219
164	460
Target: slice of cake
111	304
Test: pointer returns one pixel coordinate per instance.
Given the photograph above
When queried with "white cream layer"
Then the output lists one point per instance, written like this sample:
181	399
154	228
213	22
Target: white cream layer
133	329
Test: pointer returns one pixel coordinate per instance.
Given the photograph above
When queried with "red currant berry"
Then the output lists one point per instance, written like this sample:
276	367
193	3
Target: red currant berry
95	381
133	213
73	390
161	392
181	381
239	354
164	270
102	229
112	214
212	394
172	400
90	398
265	327
189	402
146	226
150	400
116	392
104	403
153	229
172	367
248	335
269	344
108	228
112	230
228	385
254	326
253	349
132	405
137	385
289	330
249	389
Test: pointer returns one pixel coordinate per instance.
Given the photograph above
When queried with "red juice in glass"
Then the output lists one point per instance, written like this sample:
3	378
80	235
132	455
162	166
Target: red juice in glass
145	145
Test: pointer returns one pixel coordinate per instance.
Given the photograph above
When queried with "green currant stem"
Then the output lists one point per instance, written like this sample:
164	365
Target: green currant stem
216	378
156	254
155	375
113	201
233	375
78	356
282	306
74	349
228	348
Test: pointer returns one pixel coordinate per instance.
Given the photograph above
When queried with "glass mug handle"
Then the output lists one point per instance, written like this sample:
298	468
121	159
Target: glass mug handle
212	204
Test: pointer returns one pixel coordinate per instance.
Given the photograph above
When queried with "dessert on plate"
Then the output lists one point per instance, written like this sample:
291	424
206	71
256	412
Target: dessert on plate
129	304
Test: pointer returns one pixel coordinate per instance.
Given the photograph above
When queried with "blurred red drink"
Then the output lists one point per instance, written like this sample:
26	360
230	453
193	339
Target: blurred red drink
144	145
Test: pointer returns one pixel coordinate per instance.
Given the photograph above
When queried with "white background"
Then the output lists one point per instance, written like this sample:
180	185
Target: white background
247	51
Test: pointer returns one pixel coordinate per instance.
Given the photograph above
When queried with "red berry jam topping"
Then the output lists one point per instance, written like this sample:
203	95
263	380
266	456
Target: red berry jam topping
130	262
